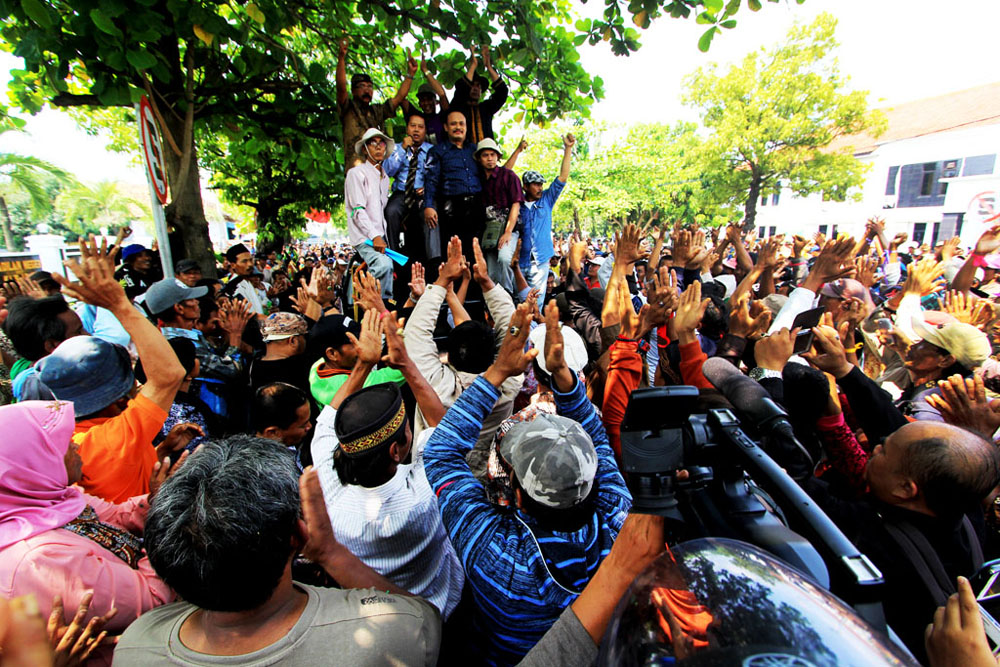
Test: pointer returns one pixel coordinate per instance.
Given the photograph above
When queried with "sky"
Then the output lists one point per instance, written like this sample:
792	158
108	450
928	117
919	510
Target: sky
898	50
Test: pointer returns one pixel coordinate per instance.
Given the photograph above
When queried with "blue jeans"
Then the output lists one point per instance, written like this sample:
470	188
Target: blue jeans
379	267
537	275
498	263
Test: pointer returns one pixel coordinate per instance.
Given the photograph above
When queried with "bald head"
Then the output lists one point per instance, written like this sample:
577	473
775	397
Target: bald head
953	469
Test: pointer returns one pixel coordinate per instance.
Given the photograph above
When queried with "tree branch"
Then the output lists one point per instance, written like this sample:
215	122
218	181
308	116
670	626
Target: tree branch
71	100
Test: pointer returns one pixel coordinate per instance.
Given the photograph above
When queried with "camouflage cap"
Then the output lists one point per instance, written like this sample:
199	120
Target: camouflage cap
554	460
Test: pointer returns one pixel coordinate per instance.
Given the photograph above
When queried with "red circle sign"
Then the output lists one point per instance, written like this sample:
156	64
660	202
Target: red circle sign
152	149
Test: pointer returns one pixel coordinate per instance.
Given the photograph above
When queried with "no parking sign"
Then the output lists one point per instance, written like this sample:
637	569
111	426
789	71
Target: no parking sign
152	149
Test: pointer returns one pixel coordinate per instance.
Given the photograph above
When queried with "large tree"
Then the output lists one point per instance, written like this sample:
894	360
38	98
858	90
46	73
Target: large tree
263	69
773	117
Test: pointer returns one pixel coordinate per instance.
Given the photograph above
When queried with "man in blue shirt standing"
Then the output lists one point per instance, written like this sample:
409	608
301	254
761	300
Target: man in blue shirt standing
452	190
536	220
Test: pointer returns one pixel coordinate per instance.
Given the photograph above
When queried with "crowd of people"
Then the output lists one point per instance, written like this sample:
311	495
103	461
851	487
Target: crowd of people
416	460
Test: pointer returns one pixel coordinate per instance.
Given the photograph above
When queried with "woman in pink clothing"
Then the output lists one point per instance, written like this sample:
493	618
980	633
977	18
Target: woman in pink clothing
55	540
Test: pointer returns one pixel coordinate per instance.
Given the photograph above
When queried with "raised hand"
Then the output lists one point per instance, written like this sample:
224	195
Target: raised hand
321	545
569	141
162	471
773	352
865	268
234	316
75	643
392	328
957	637
319	287
799	244
682	247
369	345
663	298
368	291
746	322
511	359
479	270
922	277
950	248
989	241
417	283
452	269
177	439
963	402
836	260
627	244
95	273
828	353
690	310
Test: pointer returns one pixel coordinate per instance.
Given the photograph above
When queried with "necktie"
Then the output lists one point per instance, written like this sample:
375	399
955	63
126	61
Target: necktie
410	195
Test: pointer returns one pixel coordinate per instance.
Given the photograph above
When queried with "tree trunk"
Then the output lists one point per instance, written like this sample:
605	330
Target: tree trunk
8	226
186	212
750	210
576	221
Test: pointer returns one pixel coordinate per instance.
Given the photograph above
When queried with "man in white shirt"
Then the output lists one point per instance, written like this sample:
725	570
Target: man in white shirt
366	192
238	284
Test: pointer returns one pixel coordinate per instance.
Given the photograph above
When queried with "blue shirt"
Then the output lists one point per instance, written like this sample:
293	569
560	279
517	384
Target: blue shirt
515	600
536	221
450	171
397	166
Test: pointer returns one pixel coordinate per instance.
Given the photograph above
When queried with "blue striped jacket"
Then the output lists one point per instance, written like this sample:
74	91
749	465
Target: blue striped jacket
516	599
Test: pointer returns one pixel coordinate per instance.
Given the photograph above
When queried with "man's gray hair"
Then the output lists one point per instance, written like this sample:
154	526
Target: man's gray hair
220	530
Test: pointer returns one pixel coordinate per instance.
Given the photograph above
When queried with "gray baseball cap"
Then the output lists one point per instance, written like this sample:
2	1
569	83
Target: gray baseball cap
532	176
554	459
163	294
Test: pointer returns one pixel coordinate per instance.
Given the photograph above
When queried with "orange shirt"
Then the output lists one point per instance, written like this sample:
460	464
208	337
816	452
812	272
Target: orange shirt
117	452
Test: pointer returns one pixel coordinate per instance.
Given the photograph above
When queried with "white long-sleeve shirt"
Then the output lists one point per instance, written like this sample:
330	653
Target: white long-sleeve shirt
394	528
366	192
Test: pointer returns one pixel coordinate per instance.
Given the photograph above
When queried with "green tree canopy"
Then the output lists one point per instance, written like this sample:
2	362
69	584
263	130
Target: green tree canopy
773	117
255	80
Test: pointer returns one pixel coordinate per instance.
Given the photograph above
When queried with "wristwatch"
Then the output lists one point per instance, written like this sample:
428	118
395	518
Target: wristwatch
757	373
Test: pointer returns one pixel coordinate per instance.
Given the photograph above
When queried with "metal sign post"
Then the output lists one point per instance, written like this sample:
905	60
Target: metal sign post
156	178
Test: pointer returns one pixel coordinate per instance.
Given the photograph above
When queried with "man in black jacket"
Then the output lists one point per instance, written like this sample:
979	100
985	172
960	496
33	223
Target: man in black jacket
923	478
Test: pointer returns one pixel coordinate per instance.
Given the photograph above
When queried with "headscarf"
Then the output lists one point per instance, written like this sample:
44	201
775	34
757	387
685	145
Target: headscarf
35	495
848	288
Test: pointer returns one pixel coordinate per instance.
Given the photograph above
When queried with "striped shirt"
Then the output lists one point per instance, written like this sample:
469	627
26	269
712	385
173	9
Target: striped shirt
516	599
394	528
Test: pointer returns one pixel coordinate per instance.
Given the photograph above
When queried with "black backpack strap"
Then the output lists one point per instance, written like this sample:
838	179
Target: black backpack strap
974	545
924	559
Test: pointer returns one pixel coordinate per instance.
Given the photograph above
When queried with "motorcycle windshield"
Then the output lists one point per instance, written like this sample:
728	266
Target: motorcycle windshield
723	602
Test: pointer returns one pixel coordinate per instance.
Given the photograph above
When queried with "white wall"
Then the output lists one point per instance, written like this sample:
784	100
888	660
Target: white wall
794	215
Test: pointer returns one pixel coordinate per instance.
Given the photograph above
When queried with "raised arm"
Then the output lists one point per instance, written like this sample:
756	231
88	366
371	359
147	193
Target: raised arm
512	160
398	358
404	88
434	84
96	285
343	94
568	142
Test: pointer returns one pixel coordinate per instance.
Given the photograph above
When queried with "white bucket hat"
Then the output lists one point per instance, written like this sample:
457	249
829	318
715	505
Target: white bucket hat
371	133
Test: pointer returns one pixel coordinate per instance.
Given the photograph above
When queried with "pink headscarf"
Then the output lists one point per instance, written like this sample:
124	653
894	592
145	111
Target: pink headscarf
34	491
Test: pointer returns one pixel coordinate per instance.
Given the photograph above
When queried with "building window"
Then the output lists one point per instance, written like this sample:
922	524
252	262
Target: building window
919	231
890	183
763	200
775	197
774	230
928	179
979	165
822	229
760	232
833	232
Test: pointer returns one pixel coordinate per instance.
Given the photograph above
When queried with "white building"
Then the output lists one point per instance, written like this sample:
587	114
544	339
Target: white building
933	174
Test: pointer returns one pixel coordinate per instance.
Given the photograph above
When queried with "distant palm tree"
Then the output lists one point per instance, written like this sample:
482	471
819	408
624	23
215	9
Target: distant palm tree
22	172
102	205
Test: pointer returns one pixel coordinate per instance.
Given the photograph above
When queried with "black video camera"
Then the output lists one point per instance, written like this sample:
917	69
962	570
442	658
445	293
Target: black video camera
731	488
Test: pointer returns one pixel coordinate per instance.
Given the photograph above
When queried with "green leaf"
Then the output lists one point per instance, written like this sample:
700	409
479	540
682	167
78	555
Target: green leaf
754	5
730	24
706	39
37	12
140	59
104	24
713	6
